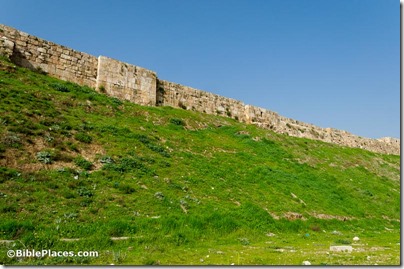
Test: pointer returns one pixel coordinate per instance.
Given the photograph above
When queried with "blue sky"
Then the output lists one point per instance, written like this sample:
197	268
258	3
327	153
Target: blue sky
329	63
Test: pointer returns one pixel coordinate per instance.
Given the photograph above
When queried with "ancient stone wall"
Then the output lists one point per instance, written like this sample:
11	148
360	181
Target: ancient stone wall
141	86
126	81
176	95
56	60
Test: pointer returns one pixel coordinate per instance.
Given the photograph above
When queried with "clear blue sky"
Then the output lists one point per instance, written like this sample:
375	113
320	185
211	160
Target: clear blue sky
329	63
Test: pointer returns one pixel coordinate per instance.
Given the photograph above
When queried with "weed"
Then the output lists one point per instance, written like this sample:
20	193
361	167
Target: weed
8	174
120	228
39	70
44	157
343	241
106	160
315	228
83	163
178	122
60	87
83	191
125	188
83	137
244	241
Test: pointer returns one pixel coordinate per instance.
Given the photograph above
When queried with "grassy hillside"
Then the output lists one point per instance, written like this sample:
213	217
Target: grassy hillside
181	187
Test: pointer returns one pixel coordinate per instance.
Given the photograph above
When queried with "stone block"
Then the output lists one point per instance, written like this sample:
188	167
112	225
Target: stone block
42	50
341	248
65	56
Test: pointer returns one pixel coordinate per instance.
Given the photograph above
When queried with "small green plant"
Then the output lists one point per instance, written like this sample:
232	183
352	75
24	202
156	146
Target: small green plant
125	188
116	102
39	70
106	160
60	87
44	157
244	241
120	227
102	89
83	191
83	137
12	140
343	241
178	122
83	163
158	149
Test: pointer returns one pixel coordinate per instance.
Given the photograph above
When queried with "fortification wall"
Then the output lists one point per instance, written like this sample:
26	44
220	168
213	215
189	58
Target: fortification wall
141	86
118	79
56	60
176	95
126	81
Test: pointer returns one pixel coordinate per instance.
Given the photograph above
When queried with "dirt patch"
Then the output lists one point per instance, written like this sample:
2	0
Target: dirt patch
24	159
326	216
293	216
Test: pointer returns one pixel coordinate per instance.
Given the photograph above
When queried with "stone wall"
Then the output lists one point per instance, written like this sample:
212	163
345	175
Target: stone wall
126	81
141	86
176	95
56	60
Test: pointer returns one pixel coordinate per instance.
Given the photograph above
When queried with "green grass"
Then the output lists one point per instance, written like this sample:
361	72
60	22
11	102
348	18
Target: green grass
185	187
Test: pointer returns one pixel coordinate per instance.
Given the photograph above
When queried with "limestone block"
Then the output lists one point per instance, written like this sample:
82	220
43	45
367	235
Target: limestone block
8	43
126	81
341	248
65	56
42	50
21	43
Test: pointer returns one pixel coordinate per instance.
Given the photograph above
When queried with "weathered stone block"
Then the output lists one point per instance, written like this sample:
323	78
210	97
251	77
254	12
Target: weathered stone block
341	248
41	50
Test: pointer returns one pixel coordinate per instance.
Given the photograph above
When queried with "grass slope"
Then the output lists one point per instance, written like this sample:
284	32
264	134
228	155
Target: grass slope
185	187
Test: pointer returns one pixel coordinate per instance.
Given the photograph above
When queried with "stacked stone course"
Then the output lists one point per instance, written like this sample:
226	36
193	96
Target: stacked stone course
58	61
141	86
176	95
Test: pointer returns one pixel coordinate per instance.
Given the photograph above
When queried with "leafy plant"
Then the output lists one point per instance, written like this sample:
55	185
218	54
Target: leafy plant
83	163
44	157
60	87
83	191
